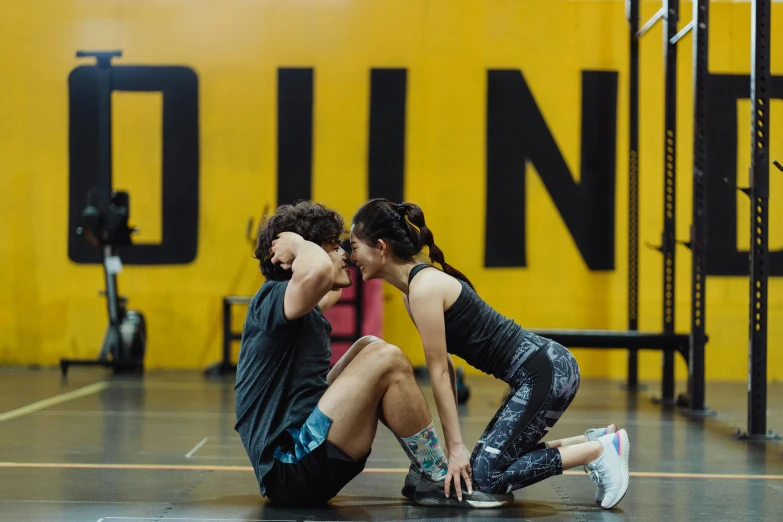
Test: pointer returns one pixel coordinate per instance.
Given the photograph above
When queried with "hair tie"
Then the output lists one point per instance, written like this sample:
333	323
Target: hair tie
401	208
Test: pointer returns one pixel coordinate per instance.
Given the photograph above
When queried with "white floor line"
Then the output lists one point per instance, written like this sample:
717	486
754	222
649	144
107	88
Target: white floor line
53	401
196	448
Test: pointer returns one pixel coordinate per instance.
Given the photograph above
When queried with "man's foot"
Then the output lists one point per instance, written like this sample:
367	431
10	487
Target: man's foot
430	493
592	435
411	481
610	470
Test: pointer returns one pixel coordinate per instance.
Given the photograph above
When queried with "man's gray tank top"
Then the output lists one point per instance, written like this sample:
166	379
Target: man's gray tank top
476	332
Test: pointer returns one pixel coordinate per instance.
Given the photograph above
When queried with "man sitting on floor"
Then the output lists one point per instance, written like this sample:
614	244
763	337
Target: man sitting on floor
308	430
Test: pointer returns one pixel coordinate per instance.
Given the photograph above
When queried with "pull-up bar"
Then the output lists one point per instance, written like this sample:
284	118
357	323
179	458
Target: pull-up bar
651	22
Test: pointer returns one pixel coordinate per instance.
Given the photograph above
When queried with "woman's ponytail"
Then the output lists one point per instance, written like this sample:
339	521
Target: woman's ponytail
414	218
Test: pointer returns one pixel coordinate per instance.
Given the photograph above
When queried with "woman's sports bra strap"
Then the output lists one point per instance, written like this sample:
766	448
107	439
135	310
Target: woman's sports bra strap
416	269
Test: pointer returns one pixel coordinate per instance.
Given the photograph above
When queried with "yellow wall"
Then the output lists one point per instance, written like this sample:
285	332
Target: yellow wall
48	305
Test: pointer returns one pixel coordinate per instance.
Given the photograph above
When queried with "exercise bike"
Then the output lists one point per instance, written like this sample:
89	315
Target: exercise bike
105	225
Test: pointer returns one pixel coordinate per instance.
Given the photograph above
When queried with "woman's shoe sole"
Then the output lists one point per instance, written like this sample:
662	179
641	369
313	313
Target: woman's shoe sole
626	452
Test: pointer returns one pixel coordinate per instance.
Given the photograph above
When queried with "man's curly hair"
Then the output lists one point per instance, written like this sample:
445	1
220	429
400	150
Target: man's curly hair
311	220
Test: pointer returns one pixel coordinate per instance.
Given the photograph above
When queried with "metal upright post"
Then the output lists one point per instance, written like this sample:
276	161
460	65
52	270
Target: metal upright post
105	86
696	392
668	245
109	354
633	191
760	86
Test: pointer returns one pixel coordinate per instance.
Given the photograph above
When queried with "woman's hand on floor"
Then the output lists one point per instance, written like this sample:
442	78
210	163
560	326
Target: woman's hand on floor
459	467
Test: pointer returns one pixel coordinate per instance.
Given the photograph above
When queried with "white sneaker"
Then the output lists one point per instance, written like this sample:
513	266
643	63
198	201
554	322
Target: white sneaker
592	435
611	468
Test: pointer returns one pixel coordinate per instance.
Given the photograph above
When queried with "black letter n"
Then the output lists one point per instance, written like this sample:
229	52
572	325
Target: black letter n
517	133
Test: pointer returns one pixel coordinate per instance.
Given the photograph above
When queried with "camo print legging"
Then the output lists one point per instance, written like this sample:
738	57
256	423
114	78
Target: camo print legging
544	378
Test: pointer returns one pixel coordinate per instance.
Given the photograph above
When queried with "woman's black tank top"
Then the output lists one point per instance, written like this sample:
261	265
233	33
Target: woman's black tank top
476	332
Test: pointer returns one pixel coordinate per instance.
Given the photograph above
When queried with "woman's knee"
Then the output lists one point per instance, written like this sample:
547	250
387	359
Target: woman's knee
480	482
483	482
572	375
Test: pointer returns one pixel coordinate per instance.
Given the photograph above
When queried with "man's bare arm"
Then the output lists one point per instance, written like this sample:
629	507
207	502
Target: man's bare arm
313	273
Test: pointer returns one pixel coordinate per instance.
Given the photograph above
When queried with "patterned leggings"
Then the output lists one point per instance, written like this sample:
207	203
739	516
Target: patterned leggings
544	378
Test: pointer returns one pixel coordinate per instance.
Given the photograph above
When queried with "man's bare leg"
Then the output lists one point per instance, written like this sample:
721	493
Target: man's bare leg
349	356
378	380
359	345
415	470
379	383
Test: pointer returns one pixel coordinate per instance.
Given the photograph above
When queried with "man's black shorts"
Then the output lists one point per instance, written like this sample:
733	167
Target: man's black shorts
314	479
308	470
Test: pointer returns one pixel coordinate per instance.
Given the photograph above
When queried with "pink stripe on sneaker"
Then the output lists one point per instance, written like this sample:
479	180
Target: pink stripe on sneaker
618	443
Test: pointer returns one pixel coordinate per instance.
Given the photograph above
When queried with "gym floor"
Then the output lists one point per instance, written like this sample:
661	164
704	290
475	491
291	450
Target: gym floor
100	448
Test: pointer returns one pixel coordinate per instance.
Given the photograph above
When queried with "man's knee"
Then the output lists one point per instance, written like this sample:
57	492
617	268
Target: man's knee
380	358
390	357
367	340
